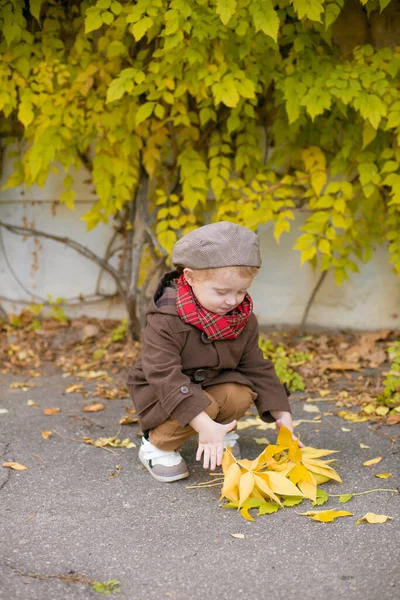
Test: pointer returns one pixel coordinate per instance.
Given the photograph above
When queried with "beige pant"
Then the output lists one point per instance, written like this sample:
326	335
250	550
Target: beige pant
229	401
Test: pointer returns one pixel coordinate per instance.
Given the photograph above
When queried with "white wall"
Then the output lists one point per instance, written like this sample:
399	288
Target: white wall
371	299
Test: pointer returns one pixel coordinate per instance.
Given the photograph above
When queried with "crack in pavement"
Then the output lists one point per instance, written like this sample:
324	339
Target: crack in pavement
8	471
70	577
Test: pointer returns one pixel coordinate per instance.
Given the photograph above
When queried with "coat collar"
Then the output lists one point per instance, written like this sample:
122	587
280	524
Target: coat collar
168	307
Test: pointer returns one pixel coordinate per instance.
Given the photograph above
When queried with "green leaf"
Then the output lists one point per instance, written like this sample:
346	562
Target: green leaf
35	6
139	29
116	89
265	18
292	500
226	9
322	497
93	20
311	9
144	112
345	498
369	134
384	3
107	17
107	588
371	108
68	197
116	8
332	11
25	112
268	508
324	247
12	32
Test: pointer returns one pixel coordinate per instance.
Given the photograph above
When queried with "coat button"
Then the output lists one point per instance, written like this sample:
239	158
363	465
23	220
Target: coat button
199	375
184	389
205	339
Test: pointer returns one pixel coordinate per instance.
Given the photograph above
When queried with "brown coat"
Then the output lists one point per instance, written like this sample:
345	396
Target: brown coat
177	361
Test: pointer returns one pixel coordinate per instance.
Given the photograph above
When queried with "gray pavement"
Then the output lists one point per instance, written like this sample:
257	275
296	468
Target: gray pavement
163	541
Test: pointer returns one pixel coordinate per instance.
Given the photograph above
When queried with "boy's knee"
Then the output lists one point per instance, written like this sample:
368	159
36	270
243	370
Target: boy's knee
239	397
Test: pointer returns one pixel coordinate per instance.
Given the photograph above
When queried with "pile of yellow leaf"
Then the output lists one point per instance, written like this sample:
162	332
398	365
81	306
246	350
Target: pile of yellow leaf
282	475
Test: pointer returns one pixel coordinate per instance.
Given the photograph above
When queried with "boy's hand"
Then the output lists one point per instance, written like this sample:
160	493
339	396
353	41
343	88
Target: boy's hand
285	418
211	439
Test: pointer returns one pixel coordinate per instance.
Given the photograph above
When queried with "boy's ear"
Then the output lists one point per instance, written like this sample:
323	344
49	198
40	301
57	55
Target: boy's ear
189	275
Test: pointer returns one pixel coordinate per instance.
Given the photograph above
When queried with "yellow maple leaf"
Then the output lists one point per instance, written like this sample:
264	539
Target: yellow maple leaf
373	518
326	516
383	475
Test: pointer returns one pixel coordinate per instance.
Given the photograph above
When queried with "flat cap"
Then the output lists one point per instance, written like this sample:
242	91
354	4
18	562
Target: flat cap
221	244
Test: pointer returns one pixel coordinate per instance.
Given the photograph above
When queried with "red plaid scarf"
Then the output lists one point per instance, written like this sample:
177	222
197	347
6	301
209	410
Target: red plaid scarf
216	327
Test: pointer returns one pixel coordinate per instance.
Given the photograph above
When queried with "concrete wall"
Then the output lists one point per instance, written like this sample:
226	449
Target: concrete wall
371	299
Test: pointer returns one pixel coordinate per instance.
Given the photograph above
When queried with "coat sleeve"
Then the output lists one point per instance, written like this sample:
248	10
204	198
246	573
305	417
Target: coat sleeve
260	371
162	368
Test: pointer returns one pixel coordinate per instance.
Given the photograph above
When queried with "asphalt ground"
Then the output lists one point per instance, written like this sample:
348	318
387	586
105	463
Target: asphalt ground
73	518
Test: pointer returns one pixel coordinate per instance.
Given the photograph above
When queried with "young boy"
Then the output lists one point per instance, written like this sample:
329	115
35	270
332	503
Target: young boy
200	366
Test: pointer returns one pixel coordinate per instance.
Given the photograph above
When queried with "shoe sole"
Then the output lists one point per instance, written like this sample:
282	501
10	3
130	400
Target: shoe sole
162	478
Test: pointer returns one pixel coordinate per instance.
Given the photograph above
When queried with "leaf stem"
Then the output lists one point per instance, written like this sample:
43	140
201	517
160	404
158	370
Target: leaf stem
366	492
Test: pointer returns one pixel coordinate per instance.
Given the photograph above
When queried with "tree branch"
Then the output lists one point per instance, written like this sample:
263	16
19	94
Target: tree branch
27	231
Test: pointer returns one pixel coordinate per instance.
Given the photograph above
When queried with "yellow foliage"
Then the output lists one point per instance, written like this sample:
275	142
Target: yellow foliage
281	470
373	518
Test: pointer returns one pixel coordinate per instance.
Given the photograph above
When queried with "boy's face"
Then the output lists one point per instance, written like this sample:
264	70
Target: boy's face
221	292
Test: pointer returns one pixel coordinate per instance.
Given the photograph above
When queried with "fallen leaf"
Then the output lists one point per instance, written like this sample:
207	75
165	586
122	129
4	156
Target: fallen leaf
94	375
99	354
363	445
128	420
46	434
326	516
244	511
372	461
15	465
321	498
383	475
3	411
382	411
341	366
345	498
311	408
118	469
345	429
262	441
95	407
393	420
32	403
324	393
289	501
111	441
373	518
51	411
77	387
238	536
21	385
350	416
131	411
369	409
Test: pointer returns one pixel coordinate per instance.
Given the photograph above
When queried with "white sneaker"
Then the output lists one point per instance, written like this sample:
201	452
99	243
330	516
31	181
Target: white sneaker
162	465
231	439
